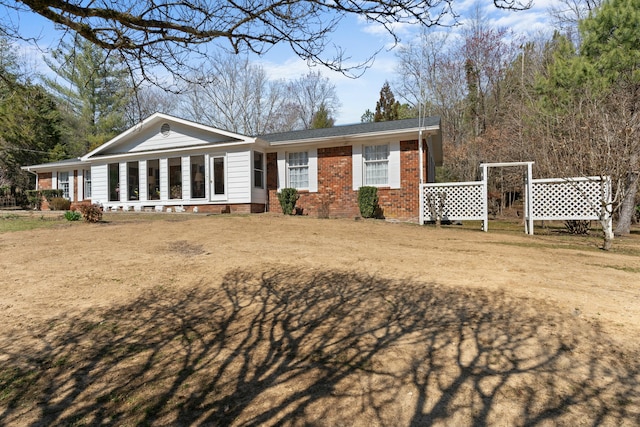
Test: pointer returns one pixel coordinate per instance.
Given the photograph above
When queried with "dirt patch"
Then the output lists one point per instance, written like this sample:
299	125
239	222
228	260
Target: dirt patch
265	320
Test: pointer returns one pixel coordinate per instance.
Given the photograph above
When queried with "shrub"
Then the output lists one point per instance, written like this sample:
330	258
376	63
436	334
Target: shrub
59	204
579	227
34	197
72	215
288	198
368	201
50	194
91	213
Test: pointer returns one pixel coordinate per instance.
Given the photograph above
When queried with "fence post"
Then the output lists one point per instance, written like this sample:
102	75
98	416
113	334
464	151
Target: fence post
485	198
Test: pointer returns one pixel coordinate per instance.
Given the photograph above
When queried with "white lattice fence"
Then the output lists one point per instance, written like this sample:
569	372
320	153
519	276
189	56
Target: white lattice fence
569	198
462	200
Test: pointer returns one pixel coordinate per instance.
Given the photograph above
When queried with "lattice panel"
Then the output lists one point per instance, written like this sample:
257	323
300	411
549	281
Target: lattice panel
463	201
569	199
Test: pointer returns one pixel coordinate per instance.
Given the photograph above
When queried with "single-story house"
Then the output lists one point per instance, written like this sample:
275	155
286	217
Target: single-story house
170	164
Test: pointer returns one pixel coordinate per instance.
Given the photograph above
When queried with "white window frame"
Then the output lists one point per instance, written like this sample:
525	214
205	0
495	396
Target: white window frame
64	185
300	167
259	170
212	178
370	162
313	169
87	183
394	170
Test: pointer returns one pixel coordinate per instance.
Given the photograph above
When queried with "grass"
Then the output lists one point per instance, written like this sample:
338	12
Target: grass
15	222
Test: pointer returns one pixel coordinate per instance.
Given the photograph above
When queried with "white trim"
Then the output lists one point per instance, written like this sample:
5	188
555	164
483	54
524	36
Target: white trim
71	185
80	180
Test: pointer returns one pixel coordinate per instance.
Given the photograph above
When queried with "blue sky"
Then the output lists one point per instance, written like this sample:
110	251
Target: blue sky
358	38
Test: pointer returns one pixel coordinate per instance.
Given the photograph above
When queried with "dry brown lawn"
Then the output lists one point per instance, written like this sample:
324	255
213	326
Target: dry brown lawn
272	320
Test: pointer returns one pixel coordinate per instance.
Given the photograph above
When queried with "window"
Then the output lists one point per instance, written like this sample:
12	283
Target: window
114	182
153	179
298	170
175	178
218	176
63	184
258	170
376	165
87	184
197	177
133	181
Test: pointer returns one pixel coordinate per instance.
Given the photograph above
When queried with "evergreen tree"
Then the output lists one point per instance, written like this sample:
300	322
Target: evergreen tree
610	54
590	102
387	108
29	122
367	117
322	119
94	91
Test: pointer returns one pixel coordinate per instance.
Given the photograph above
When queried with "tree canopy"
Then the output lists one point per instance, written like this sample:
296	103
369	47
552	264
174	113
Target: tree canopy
148	33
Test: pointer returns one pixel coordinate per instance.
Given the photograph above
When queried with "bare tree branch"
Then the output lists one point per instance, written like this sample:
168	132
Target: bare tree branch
168	33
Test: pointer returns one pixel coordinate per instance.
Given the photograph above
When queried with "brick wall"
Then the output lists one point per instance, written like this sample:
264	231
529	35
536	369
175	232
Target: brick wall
336	197
45	181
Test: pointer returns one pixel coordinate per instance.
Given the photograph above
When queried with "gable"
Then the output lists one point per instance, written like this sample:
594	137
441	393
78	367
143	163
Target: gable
164	136
161	132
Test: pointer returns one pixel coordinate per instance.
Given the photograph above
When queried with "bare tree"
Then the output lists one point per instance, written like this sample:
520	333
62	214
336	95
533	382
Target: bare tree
431	78
148	33
308	93
147	100
566	14
235	95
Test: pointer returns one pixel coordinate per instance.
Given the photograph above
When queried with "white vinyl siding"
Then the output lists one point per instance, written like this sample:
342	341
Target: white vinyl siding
180	136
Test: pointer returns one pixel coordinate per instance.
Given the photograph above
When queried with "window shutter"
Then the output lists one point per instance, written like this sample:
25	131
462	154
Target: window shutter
313	170
394	164
356	162
282	170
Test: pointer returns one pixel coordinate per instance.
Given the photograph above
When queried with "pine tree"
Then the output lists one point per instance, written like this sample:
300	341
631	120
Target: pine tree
322	119
94	90
387	108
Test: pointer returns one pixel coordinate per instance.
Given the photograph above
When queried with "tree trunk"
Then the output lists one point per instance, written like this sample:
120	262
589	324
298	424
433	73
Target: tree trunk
628	206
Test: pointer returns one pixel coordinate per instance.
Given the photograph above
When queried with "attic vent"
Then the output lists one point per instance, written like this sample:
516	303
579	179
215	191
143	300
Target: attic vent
165	129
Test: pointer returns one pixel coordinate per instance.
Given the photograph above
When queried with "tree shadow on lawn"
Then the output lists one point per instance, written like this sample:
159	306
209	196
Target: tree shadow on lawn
287	347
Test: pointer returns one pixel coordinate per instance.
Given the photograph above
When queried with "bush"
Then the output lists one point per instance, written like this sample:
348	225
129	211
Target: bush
72	215
579	227
368	201
59	204
34	197
50	194
288	198
91	213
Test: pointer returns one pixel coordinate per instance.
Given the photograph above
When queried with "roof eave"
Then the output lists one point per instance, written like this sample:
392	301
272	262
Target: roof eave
357	136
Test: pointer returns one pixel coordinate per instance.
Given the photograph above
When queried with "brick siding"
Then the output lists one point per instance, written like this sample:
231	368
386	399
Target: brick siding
336	197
